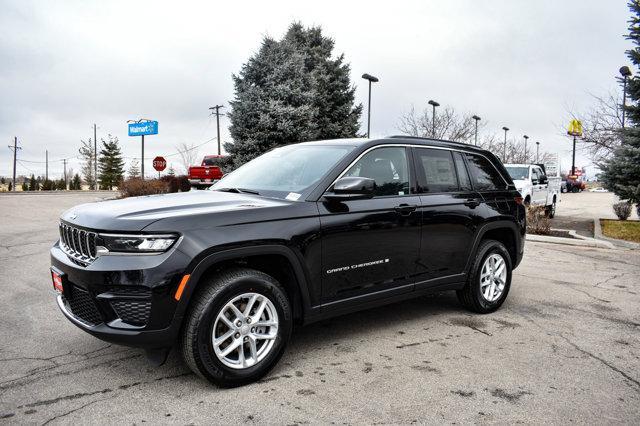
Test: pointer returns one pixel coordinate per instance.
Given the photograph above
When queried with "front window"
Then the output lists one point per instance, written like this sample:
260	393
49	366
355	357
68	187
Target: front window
284	172
518	173
387	167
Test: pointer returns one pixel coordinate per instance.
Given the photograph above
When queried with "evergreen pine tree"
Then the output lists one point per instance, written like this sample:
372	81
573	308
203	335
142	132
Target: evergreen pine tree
33	184
621	173
171	171
110	164
76	183
291	91
25	185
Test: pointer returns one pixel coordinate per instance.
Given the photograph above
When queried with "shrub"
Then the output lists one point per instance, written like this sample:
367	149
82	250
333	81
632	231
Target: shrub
537	221
622	210
136	187
183	183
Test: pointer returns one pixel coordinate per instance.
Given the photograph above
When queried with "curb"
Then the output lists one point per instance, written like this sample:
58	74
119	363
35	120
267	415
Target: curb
597	232
580	241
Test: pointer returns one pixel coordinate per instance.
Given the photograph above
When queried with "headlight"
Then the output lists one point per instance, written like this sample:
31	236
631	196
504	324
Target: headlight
136	243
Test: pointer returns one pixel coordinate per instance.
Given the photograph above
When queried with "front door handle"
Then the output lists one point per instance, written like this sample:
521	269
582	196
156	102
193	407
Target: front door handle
472	202
405	209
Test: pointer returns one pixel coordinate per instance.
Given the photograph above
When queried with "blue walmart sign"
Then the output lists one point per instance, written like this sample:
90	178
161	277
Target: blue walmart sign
144	128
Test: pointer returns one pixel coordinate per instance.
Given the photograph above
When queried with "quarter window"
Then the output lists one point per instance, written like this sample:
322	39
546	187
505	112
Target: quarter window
387	167
463	173
484	175
438	170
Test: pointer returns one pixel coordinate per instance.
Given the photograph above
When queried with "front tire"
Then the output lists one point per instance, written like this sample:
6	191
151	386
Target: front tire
489	278
237	327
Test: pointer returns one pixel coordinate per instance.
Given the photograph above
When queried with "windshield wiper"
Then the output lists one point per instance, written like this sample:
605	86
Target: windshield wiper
238	190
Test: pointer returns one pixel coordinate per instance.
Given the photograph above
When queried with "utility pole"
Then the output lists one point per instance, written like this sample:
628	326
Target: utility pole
217	113
64	161
537	152
370	79
15	148
95	156
46	167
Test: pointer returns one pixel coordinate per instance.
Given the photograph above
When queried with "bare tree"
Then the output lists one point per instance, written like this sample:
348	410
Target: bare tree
188	155
514	151
449	124
87	156
601	126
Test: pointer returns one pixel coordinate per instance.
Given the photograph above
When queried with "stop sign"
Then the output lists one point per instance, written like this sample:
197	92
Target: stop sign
159	163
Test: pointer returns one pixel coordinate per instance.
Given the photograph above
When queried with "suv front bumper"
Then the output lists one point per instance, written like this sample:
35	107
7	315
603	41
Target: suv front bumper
119	303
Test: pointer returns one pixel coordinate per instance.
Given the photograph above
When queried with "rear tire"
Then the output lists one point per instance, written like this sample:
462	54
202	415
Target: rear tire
257	322
551	210
487	287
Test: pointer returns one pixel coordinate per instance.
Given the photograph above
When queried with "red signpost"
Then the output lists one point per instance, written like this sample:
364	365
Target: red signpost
159	163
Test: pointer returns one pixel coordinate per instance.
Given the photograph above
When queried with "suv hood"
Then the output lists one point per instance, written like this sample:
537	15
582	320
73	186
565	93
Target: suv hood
136	213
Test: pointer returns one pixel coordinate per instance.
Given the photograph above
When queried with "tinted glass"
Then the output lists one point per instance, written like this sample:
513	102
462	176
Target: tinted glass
463	174
438	170
387	167
485	177
211	161
286	170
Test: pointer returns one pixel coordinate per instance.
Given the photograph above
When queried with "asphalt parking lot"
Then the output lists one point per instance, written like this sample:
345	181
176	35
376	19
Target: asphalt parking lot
565	347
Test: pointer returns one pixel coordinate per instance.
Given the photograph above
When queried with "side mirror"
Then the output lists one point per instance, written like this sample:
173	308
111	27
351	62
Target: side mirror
543	180
351	188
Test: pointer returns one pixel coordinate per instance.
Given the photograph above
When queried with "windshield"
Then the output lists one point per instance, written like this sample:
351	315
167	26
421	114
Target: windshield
284	172
518	173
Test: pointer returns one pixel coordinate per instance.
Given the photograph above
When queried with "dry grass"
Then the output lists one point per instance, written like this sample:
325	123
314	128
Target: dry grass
628	230
537	221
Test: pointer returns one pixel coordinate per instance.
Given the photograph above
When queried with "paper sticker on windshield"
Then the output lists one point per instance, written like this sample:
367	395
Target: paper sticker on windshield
293	196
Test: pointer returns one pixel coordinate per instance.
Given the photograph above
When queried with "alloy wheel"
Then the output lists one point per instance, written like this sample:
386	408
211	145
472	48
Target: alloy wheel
493	277
245	330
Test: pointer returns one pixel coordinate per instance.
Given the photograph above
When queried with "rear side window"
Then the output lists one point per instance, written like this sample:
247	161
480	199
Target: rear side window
437	170
484	175
463	174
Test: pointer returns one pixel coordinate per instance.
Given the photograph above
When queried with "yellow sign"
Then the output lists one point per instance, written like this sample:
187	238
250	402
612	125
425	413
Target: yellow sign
575	128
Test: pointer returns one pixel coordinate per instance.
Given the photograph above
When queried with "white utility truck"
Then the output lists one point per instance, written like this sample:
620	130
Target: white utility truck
536	188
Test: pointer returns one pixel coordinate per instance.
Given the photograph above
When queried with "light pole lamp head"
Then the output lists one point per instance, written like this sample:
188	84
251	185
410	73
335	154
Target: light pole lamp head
525	137
369	77
506	129
537	143
625	71
475	117
434	103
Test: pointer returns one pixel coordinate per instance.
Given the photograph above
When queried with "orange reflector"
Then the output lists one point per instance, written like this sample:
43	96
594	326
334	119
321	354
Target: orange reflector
181	287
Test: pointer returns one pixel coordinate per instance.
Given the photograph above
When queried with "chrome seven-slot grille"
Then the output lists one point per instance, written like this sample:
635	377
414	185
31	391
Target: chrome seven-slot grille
78	243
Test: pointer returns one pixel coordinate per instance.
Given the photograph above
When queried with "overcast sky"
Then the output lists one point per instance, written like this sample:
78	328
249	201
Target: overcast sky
65	65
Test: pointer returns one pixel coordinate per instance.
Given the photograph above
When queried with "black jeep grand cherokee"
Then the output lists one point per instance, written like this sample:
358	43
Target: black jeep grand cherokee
302	233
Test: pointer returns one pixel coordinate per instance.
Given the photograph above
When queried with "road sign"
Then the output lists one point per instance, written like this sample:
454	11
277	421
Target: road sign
143	128
575	128
159	163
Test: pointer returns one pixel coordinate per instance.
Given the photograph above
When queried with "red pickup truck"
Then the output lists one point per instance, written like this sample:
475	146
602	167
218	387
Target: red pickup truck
208	173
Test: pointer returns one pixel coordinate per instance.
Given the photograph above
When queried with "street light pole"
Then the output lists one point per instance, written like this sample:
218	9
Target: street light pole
504	149
434	104
626	73
475	117
537	152
525	148
371	79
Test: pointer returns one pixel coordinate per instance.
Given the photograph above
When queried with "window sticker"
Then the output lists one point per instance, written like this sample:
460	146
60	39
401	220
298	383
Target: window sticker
293	196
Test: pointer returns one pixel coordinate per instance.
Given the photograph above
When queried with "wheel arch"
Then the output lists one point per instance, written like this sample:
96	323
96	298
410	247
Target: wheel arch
504	231
278	261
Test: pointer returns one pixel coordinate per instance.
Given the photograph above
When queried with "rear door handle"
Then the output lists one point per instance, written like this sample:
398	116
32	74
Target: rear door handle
405	209
472	202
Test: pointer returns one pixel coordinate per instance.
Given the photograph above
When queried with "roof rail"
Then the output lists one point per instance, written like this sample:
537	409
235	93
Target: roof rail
430	139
